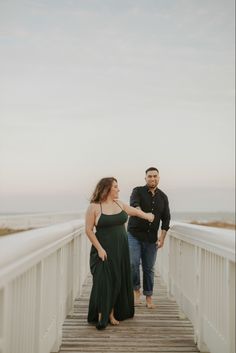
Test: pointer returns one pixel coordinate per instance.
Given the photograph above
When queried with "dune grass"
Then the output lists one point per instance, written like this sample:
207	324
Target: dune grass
217	224
7	231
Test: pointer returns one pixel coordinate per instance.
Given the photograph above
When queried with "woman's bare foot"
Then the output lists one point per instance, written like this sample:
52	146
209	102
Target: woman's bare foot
112	319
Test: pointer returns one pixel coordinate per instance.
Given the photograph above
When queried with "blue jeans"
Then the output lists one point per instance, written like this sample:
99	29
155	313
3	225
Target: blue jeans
145	253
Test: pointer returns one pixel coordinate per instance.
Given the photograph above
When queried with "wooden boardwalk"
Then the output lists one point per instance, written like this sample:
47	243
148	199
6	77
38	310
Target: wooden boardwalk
163	329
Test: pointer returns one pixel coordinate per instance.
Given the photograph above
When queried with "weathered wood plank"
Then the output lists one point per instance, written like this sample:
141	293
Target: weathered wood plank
163	329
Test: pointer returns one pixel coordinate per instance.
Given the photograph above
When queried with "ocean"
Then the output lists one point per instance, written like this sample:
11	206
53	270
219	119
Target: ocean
228	217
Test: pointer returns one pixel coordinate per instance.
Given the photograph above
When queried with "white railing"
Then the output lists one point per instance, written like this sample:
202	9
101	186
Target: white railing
198	266
41	272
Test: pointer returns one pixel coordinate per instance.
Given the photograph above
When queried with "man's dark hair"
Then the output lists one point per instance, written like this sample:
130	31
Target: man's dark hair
150	169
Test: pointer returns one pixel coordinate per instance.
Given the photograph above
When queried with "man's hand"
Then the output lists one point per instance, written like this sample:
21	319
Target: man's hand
161	239
160	243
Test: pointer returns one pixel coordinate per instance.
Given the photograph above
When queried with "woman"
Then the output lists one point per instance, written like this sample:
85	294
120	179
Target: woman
112	294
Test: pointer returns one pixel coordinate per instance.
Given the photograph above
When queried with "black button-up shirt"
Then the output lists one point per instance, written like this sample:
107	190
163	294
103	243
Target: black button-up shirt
157	204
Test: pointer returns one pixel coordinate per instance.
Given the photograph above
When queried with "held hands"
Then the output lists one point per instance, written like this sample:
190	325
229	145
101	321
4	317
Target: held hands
150	217
102	254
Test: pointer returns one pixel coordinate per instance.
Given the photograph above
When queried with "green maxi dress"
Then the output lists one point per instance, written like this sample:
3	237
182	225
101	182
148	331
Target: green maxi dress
112	286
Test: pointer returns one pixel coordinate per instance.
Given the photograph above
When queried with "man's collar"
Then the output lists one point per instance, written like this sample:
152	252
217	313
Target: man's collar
149	190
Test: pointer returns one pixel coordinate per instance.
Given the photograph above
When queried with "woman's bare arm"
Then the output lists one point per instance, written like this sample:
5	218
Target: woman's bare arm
89	227
133	211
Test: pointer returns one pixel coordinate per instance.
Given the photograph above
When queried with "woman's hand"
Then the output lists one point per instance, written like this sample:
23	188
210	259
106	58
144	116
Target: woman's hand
102	254
150	217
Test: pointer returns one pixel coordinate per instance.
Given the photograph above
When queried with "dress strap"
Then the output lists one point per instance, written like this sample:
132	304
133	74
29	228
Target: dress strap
118	204
101	206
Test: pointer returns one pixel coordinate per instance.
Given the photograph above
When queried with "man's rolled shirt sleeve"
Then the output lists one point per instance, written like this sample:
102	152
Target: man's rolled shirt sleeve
135	198
165	219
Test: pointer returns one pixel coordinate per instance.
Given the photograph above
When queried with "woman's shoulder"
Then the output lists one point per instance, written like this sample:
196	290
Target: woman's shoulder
94	207
120	203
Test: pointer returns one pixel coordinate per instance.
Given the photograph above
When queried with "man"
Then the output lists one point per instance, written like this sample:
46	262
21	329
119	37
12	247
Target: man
143	236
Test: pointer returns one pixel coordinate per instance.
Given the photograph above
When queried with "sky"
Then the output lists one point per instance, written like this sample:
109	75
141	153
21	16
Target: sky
95	88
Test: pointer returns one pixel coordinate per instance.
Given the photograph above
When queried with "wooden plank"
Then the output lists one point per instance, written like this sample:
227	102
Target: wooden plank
163	329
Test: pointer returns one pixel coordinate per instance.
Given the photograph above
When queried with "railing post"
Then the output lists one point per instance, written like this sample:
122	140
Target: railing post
170	266
6	319
59	303
197	304
199	312
38	306
231	306
2	319
75	275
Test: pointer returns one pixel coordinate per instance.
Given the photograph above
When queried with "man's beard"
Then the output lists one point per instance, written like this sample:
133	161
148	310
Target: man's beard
152	186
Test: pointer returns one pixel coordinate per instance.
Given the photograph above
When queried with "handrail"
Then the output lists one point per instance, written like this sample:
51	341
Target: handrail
198	265
217	240
41	273
19	249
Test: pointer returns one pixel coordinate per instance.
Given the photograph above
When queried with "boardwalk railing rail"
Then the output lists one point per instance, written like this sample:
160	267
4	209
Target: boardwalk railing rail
198	265
41	273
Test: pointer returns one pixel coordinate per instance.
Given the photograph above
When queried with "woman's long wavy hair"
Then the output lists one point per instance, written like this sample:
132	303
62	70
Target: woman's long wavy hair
102	190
